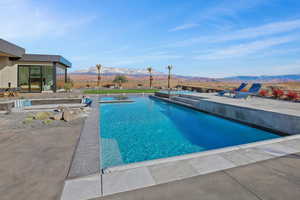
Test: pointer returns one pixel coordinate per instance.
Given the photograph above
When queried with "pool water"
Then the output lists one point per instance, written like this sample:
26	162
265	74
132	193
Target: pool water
107	98
150	129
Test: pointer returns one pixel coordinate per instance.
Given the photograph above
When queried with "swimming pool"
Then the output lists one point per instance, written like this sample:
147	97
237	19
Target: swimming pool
149	129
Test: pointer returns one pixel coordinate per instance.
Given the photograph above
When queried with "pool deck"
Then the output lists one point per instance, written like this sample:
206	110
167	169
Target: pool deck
276	179
35	161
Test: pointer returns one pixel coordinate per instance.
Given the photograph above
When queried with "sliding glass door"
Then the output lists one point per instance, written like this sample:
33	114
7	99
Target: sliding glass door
30	78
23	79
35	79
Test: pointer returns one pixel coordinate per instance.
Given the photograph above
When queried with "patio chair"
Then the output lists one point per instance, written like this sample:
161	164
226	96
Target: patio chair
87	101
12	92
223	92
251	92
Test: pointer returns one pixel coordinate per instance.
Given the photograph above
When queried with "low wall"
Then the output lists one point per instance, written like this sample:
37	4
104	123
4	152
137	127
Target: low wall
55	101
273	121
160	94
283	124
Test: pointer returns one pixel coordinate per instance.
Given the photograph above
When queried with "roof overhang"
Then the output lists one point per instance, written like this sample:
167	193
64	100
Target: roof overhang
10	50
46	58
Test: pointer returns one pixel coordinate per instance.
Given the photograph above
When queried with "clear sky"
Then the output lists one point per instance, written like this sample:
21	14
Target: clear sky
211	38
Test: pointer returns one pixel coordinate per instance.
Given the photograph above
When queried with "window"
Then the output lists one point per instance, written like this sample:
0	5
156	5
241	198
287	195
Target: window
60	78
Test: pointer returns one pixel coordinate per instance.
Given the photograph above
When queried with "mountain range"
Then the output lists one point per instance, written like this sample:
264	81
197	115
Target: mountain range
140	73
117	71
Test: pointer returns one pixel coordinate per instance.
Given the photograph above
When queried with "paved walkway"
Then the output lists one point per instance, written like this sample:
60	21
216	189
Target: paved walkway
34	162
273	105
274	179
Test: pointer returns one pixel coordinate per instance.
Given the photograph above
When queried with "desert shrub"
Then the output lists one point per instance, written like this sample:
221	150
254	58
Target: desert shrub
277	93
292	95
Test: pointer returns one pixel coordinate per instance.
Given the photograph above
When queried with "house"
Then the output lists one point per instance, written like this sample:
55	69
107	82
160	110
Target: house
31	72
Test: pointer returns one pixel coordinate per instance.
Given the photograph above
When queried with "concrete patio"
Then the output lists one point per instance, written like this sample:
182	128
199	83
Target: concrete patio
275	179
35	160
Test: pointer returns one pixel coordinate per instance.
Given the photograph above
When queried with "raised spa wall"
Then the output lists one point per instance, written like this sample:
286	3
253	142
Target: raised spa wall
8	105
272	121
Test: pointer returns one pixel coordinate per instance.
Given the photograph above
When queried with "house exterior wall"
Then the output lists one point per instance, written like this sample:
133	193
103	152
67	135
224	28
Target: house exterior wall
8	73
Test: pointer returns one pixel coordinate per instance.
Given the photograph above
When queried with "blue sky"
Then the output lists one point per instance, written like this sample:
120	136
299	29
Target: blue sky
212	38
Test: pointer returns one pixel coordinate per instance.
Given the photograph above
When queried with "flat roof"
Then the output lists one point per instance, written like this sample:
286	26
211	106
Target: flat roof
10	50
45	58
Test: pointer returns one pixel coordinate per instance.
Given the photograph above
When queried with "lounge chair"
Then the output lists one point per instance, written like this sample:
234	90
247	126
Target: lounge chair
87	101
251	92
223	92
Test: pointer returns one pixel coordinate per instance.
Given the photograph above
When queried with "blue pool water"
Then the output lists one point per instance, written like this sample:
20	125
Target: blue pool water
150	129
107	98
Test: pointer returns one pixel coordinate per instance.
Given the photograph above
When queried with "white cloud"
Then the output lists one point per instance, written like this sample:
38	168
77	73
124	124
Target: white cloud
183	27
215	12
247	33
290	68
22	19
246	48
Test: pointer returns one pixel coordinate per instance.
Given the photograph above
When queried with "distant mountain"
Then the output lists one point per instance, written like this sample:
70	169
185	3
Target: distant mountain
140	73
276	78
115	71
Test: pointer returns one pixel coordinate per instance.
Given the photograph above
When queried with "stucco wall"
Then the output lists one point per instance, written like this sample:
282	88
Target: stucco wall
8	73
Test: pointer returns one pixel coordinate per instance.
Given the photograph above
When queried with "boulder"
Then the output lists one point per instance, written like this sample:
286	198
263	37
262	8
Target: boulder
42	115
57	116
68	115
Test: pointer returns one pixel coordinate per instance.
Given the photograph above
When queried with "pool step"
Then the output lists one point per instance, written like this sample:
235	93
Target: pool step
185	100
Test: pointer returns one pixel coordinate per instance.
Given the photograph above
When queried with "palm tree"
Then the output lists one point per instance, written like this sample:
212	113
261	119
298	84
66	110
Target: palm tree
150	76
169	76
98	66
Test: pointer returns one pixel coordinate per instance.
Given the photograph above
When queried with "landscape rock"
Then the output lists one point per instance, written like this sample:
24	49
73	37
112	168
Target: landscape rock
57	116
69	115
42	115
